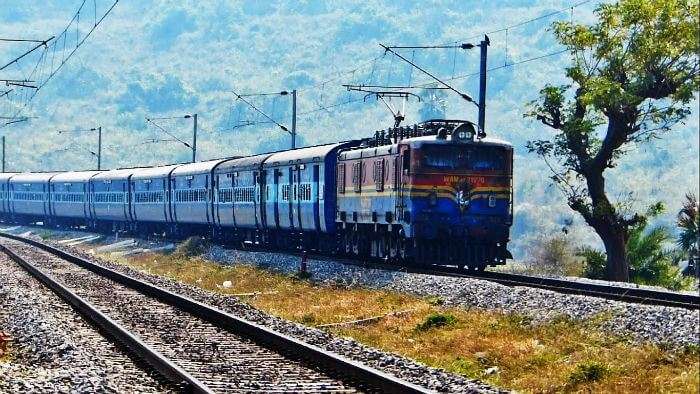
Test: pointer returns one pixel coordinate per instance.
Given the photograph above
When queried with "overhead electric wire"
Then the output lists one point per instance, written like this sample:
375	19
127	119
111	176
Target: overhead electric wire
18	40
64	58
438	80
521	23
168	133
238	97
39	45
451	45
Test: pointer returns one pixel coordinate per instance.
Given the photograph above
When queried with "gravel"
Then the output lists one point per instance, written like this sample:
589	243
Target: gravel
54	349
431	378
221	360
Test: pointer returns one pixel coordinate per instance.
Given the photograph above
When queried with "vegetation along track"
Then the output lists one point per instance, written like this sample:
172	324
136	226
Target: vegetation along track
205	349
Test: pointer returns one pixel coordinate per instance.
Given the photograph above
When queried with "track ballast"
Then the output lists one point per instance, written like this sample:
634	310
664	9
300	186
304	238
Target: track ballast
207	349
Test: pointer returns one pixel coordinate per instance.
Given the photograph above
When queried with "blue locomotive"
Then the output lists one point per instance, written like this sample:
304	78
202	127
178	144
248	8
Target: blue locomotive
433	193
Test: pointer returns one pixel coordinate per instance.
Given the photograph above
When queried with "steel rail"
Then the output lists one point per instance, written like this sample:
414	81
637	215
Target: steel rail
114	330
337	364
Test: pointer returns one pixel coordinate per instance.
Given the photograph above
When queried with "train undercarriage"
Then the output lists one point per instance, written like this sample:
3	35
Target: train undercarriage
362	241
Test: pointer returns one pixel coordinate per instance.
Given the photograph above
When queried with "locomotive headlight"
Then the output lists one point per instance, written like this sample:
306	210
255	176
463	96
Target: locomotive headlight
492	201
463	132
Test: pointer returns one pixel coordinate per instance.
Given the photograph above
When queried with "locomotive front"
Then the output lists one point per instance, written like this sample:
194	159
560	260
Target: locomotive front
456	199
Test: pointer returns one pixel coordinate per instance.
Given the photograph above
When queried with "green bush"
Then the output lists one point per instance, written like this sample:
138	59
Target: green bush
192	246
587	372
594	262
308	319
435	320
650	261
435	301
302	275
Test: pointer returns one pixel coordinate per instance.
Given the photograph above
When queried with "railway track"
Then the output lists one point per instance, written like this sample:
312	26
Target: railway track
606	291
611	292
202	348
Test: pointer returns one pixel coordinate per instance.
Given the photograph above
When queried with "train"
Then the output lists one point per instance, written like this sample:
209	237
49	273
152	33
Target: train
433	193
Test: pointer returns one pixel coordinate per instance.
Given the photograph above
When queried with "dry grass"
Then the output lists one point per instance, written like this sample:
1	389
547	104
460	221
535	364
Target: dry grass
554	357
281	295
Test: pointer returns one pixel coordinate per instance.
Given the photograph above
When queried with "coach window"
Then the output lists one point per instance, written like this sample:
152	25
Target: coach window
357	176
406	165
341	178
379	175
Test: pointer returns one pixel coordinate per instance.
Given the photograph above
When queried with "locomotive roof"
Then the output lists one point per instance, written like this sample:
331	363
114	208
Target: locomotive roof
303	155
74	176
33	177
153	172
201	167
482	141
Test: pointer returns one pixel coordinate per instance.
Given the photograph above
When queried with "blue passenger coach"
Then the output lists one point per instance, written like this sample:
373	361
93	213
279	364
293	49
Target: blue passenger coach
70	202
29	196
150	195
5	192
300	193
236	213
109	199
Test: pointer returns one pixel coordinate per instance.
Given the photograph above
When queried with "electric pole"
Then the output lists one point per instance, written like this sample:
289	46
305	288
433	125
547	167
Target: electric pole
482	86
99	148
294	119
194	136
194	140
293	131
98	155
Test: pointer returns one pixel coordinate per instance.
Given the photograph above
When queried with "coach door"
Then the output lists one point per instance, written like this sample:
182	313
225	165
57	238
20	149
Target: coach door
260	186
316	195
277	196
404	171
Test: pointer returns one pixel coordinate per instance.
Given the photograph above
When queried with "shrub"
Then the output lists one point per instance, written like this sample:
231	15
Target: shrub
586	372
651	263
301	275
593	262
308	318
435	320
435	301
553	256
192	246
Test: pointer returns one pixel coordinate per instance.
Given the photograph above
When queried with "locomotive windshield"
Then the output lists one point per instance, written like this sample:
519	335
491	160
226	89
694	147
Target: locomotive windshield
464	157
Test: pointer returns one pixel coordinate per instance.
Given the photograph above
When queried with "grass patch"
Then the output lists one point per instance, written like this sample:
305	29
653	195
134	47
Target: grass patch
44	234
586	372
191	247
506	350
435	320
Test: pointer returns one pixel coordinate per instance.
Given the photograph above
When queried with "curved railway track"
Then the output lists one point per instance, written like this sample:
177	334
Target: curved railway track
202	348
607	291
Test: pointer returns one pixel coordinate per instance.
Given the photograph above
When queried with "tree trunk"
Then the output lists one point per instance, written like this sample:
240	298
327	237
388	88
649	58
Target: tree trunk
601	215
617	265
